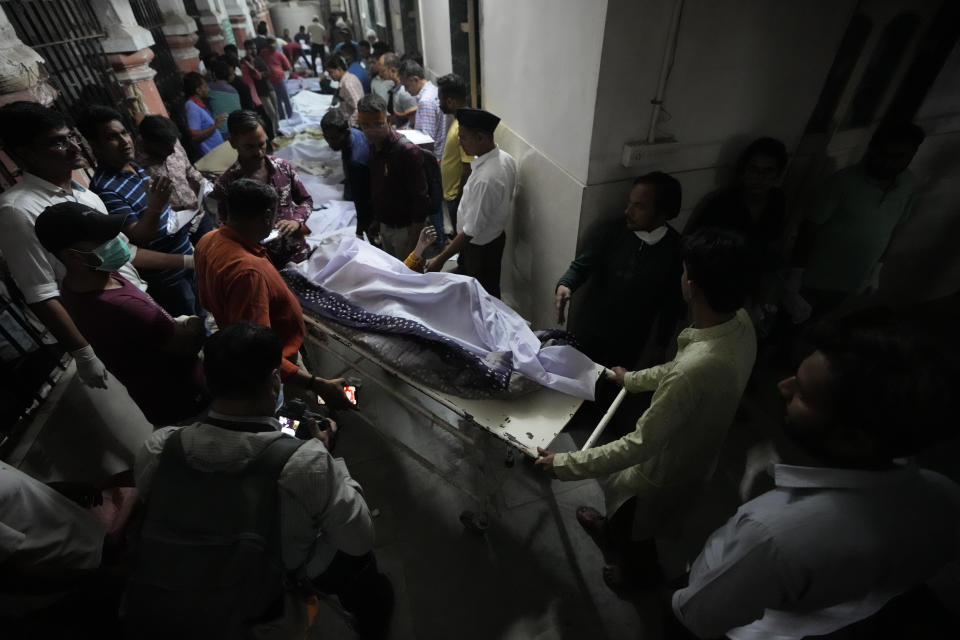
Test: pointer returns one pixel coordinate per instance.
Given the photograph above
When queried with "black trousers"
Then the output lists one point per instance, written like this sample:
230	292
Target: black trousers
362	590
316	49
483	263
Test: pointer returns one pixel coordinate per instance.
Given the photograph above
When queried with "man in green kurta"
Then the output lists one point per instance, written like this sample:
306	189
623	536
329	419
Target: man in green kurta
630	266
649	475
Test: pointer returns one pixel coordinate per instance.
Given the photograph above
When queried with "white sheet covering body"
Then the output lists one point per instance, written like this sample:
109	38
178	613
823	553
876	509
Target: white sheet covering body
451	305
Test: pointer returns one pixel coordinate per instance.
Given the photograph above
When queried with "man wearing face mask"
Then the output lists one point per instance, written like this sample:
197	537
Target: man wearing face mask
632	265
153	355
48	152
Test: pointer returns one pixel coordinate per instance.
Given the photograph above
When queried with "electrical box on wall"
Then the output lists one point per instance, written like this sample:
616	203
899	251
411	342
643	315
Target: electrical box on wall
643	153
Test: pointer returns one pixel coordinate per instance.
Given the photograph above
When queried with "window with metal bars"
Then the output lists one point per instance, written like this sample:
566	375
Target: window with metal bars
68	36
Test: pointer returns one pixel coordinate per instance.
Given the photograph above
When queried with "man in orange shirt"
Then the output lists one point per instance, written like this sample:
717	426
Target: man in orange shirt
237	282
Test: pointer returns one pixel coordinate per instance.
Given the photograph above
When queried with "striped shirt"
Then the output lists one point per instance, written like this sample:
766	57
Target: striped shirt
430	120
125	192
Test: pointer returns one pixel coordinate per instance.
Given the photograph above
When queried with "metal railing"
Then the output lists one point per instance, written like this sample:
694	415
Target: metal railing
168	79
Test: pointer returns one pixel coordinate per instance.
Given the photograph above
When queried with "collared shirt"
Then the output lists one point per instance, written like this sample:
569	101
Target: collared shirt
258	77
678	438
317	32
398	183
487	196
277	63
381	87
451	164
822	550
356	165
182	174
358	70
125	193
322	509
223	98
350	93
237	281
37	272
40	529
294	202
400	103
857	215
198	118
430	119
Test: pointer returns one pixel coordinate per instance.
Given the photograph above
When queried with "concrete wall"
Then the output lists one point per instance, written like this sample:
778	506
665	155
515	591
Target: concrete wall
743	68
539	61
435	30
290	15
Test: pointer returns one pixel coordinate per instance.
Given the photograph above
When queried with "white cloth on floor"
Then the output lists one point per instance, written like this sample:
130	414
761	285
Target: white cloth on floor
452	305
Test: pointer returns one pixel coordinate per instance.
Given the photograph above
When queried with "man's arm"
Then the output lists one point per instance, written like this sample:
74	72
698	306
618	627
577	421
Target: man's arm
149	259
148	459
455	246
669	411
738	575
300	196
142	228
359	177
187	337
53	315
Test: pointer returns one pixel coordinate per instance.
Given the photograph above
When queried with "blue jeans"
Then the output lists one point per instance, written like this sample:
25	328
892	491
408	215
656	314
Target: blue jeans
284	108
179	297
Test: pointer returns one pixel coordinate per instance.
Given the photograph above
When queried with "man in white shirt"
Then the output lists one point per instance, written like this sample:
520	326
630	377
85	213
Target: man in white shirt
326	531
854	526
486	203
38	139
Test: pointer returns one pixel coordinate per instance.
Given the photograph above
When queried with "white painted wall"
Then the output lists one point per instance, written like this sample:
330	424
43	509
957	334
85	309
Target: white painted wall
435	30
540	62
290	15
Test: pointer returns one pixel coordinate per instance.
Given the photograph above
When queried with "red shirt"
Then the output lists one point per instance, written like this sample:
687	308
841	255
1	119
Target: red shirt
398	184
237	282
128	330
277	63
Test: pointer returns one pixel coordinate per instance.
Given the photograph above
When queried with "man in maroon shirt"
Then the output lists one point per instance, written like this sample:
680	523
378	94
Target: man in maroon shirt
398	184
238	283
295	204
153	355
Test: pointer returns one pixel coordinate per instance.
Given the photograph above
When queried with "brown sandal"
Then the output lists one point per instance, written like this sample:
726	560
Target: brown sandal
592	522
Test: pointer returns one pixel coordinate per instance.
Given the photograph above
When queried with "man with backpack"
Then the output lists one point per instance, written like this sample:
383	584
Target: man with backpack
399	180
243	523
486	202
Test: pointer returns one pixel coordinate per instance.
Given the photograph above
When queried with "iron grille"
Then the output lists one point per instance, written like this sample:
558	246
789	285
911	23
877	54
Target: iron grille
202	45
168	81
67	34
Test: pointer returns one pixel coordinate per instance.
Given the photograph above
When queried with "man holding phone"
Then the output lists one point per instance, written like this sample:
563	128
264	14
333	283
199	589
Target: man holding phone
322	524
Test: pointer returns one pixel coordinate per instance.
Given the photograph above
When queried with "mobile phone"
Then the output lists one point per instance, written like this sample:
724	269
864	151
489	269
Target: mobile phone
288	426
351	392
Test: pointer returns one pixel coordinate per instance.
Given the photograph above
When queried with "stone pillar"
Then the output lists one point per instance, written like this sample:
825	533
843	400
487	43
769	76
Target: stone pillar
261	11
22	76
212	17
180	31
240	22
127	46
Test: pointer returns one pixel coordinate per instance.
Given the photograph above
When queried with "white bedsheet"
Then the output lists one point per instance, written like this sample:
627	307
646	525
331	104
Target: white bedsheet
452	305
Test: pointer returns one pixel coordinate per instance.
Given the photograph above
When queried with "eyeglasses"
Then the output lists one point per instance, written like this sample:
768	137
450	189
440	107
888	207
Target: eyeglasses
62	143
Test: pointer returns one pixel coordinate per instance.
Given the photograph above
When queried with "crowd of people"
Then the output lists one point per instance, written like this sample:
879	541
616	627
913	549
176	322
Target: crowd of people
170	285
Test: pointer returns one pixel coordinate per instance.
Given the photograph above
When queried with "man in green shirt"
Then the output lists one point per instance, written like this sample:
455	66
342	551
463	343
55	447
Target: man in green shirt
650	474
848	228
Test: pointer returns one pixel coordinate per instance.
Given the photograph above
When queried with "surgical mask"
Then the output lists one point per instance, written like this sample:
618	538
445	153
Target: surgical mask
113	254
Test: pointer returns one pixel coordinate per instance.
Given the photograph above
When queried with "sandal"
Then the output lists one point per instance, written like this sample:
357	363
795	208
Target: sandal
592	522
616	580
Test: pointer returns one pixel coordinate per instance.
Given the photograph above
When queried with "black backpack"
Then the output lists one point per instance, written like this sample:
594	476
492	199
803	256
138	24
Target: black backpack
209	562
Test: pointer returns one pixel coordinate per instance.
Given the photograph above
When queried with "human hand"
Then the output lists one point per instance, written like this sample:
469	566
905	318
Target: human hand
616	375
428	235
158	192
193	323
545	460
220	119
332	393
434	265
560	300
91	370
326	436
288	227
